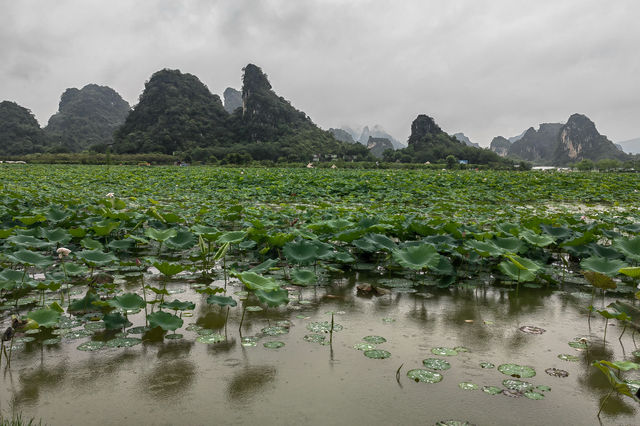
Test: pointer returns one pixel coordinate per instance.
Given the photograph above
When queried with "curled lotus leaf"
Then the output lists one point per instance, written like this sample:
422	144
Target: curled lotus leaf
253	281
424	376
28	257
603	265
273	298
303	277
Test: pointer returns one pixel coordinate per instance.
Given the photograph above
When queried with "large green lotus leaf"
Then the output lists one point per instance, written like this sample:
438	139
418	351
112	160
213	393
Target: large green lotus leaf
169	269
27	257
127	302
579	239
558	232
631	311
330	226
630	247
610	371
512	271
57	235
28	241
73	269
632	271
11	275
484	248
91	244
254	281
85	304
417	257
324	250
303	277
525	264
183	240
45	317
343	257
209	233
177	305
273	298
301	252
232	237
105	227
264	266
279	239
122	245
56	214
164	320
30	220
509	244
609	267
604	251
350	235
160	234
443	267
115	321
600	280
623	365
96	257
537	240
221	300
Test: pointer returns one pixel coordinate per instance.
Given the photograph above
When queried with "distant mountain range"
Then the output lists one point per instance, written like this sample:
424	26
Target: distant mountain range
362	135
631	146
559	144
464	139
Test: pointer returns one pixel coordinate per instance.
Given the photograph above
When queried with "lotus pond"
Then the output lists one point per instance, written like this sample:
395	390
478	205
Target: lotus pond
198	295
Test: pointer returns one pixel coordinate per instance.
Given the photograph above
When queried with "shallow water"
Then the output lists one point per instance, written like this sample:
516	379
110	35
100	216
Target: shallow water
188	382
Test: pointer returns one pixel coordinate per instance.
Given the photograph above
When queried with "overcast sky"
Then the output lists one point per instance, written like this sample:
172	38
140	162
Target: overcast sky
482	67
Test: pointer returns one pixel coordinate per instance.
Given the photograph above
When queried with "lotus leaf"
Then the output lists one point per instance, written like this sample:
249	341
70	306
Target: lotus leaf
273	298
600	280
115	321
303	277
301	252
424	376
515	370
45	317
253	281
96	257
27	257
377	354
127	302
169	269
85	304
221	300
160	234
436	364
630	247
164	320
232	237
183	240
177	305
609	267
417	257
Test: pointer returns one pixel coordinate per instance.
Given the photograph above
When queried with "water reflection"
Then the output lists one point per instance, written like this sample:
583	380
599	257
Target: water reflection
249	382
168	379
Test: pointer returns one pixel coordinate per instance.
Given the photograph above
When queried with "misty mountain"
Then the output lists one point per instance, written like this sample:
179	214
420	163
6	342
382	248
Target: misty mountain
20	132
86	118
513	139
342	135
631	146
232	99
560	144
377	146
464	139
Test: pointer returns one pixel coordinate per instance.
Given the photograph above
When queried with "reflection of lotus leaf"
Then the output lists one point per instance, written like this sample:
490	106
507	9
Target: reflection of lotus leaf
424	376
436	364
453	423
249	341
221	300
211	338
377	354
273	345
515	370
444	351
376	340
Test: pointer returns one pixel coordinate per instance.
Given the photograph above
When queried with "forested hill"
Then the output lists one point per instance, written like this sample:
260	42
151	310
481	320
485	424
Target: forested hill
178	114
428	142
19	131
86	118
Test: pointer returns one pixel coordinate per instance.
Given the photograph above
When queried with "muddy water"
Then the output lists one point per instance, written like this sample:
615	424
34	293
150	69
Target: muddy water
188	382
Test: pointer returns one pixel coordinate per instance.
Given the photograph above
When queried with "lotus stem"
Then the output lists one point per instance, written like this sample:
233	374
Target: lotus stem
244	308
398	373
623	330
144	296
10	350
606	323
603	401
331	330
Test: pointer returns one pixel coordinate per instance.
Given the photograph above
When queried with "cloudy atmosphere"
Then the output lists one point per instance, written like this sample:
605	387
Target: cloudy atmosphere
485	68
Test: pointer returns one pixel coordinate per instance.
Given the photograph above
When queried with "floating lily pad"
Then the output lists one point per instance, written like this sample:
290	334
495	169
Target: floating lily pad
174	336
123	342
52	341
567	357
95	326
512	393
314	338
376	340
194	327
636	353
543	388
530	329
75	334
436	364
534	395
461	349
305	302
364	346
515	370
517	385
204	331
249	341
468	386
491	390
579	343
302	317
556	372
25	339
323	327
424	376
275	331
91	346
377	354
444	351
211	338
273	345
283	323
487	365
453	423
254	309
388	320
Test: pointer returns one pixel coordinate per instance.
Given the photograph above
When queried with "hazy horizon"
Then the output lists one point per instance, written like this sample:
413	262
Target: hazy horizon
483	68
